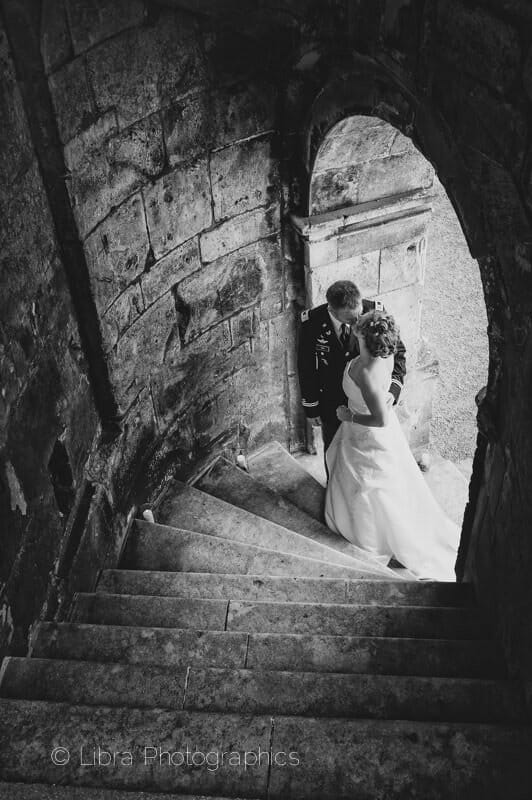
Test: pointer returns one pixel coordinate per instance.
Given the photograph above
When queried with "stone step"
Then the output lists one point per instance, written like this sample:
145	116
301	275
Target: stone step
273	466
42	791
231	484
257	691
333	619
295	652
276	588
191	509
314	758
161	547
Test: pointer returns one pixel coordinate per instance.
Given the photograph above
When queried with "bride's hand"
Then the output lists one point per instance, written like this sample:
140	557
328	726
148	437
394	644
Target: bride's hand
343	414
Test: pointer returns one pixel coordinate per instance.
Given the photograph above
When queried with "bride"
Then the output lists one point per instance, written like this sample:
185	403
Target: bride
377	497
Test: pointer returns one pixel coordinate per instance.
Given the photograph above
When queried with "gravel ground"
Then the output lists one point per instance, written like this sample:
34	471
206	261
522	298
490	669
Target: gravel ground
454	323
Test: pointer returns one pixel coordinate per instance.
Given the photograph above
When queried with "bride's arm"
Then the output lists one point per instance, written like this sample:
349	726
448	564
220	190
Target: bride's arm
375	399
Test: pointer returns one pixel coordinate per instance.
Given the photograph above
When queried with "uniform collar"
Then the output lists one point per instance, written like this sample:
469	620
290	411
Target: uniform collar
337	325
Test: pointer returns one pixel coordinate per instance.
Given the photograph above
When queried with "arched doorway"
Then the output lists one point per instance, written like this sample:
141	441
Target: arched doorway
379	216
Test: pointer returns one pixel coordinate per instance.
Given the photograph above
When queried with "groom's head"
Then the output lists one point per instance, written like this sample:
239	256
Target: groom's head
344	301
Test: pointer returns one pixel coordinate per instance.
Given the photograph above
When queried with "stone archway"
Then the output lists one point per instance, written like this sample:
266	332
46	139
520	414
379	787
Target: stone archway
494	551
374	206
370	205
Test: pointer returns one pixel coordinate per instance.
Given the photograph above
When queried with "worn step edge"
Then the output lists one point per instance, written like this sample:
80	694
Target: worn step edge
229	483
245	691
145	554
249	587
476	760
288	478
159	611
302	652
42	791
194	509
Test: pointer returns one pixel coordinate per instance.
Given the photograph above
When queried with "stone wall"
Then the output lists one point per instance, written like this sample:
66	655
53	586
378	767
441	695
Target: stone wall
183	132
174	181
171	161
47	414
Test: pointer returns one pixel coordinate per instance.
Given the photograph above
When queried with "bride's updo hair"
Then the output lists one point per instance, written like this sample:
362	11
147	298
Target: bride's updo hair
380	333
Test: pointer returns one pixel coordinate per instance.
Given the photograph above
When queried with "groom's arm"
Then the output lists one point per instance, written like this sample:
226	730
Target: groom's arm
307	368
399	371
399	361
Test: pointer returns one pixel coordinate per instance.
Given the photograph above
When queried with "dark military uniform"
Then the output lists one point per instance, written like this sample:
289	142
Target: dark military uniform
321	364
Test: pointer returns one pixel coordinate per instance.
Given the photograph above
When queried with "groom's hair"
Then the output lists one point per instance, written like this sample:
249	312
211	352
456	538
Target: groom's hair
343	294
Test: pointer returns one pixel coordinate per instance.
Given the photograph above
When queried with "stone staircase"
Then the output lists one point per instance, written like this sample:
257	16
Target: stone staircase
239	625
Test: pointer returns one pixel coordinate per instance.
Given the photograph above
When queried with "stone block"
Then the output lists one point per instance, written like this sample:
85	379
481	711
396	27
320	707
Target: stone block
478	44
228	285
169	270
106	166
205	365
149	345
70	92
143	69
121	315
401	265
362	269
56	45
241	112
117	251
217	119
178	206
357	140
243	177
381	235
132	730
394	175
16	153
188	128
92	21
271	305
405	305
238	232
283	332
243	327
402	144
140	147
334	188
27	230
322	252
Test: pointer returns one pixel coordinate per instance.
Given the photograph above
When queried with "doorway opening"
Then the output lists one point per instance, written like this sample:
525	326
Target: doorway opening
379	216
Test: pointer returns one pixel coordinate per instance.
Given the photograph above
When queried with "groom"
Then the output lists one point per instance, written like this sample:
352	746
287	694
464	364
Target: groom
326	343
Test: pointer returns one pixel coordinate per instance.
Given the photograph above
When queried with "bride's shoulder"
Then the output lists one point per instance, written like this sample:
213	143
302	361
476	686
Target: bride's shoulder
352	367
368	376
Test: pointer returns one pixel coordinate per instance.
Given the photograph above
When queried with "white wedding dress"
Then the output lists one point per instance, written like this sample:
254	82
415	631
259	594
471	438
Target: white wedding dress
377	497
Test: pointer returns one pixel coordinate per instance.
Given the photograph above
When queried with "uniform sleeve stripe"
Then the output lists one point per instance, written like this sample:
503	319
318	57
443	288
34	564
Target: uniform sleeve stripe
310	405
394	380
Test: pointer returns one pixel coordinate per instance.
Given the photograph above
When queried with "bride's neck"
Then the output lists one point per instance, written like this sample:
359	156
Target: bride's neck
365	356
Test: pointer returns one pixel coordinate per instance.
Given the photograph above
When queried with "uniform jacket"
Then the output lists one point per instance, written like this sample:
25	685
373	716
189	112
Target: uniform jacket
321	361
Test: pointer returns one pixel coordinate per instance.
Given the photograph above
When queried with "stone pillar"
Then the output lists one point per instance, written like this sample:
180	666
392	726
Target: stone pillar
381	246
